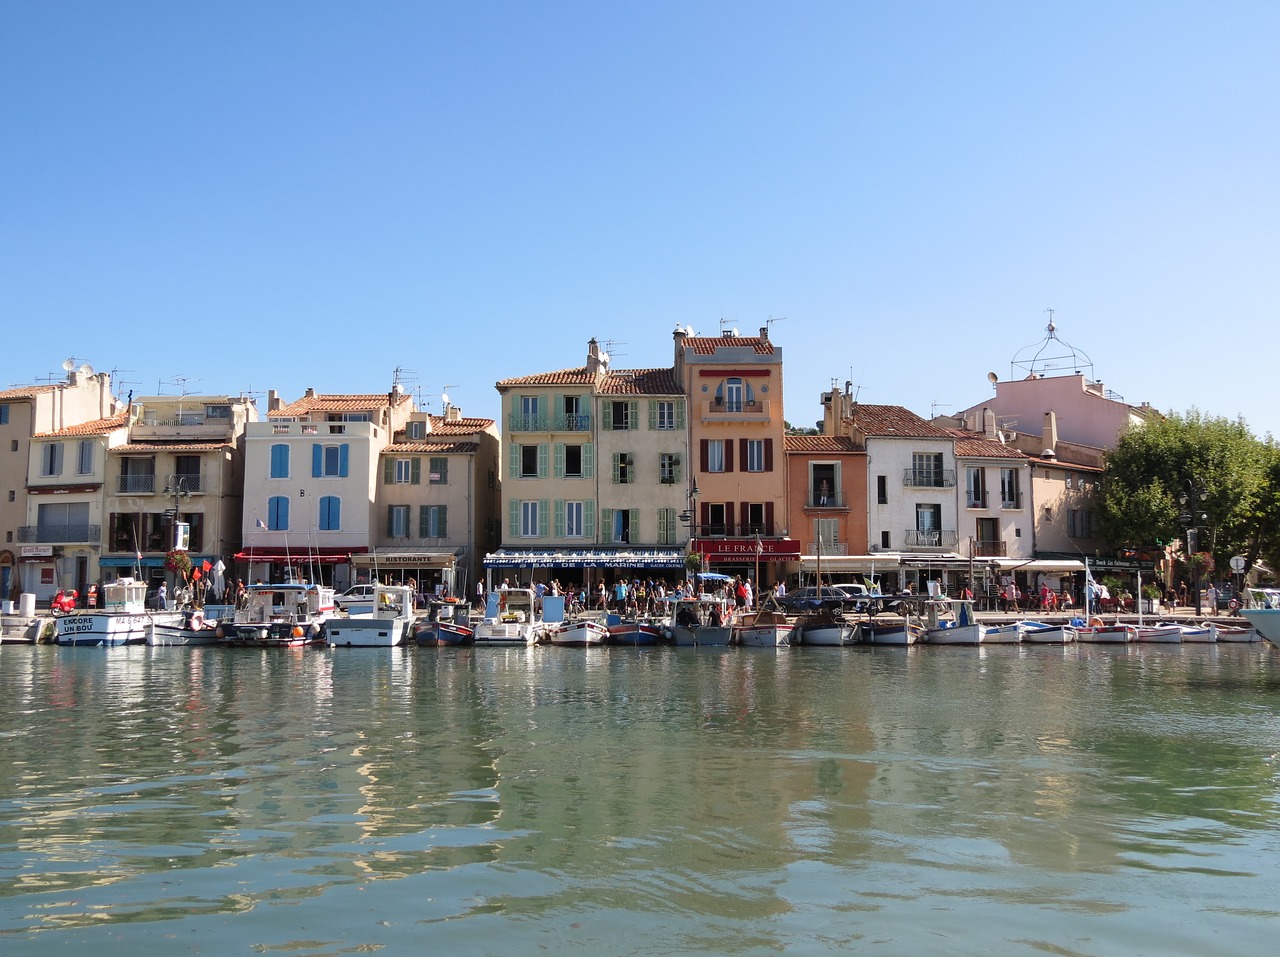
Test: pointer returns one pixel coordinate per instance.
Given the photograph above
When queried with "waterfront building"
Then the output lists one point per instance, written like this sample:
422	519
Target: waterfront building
311	478
178	480
596	470
736	427
826	497
437	502
32	558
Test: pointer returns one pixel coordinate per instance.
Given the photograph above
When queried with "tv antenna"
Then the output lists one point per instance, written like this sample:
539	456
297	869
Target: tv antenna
733	331
935	405
444	396
768	323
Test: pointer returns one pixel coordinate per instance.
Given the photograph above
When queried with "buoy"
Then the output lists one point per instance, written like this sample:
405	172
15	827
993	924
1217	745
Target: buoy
1095	622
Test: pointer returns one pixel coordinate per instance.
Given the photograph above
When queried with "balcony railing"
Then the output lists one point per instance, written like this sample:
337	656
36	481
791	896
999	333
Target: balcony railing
825	501
989	550
930	538
191	482
739	530
135	484
55	534
929	478
828	548
519	422
1013	500
756	411
975	500
571	422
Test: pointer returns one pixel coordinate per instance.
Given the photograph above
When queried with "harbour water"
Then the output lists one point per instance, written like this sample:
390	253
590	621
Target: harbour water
1016	800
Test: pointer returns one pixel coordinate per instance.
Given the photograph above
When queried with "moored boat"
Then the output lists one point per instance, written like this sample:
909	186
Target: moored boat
1264	613
578	633
637	632
704	620
1205	633
122	620
951	622
762	629
1099	634
445	625
510	618
281	616
386	627
1236	634
1041	633
197	626
901	632
1159	634
823	629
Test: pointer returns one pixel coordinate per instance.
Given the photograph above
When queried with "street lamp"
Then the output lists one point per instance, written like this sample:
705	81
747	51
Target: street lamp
689	518
1190	518
177	487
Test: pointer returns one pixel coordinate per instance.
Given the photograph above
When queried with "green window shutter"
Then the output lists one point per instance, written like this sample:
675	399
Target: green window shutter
542	459
389	471
559	518
515	461
634	521
653	414
558	459
680	414
544	517
633	414
662	525
444	521
606	416
424	520
617	467
588	460
677	470
606	525
391	520
415	471
557	411
514	513
589	519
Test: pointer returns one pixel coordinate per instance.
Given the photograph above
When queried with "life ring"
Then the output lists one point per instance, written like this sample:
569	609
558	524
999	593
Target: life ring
197	620
1233	604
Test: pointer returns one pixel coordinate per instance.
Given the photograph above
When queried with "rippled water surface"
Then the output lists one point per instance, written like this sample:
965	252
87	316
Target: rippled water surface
1101	801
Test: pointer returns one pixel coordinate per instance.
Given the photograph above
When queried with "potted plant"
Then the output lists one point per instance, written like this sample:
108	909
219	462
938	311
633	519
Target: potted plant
1151	599
693	562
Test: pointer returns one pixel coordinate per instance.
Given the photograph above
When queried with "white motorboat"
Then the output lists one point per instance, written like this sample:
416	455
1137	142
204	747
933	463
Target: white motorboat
823	629
386	627
122	620
952	622
511	618
1161	634
1100	634
1235	634
1040	633
1263	613
1206	633
578	633
281	616
198	626
901	633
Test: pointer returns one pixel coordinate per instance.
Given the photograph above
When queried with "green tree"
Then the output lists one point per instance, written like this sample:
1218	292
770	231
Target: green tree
1154	465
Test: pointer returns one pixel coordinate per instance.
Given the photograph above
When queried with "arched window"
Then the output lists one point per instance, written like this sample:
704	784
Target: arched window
733	393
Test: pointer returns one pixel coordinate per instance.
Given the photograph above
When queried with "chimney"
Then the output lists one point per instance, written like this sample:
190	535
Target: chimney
764	333
311	393
597	361
453	414
988	423
273	401
1049	434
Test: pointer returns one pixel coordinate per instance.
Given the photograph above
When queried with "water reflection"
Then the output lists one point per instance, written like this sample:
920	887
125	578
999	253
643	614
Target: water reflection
760	800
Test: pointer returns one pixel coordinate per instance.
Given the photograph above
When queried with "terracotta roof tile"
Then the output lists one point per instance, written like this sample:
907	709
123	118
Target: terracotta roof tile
819	443
24	391
968	444
338	403
96	427
641	382
426	446
442	426
707	345
141	448
579	376
894	420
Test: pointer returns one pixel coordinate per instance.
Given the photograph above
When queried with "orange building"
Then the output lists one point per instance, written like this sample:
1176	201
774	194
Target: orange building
827	505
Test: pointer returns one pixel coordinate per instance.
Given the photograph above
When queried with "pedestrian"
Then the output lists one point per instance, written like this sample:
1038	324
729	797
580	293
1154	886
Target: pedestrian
751	595
1213	598
1182	594
162	597
739	592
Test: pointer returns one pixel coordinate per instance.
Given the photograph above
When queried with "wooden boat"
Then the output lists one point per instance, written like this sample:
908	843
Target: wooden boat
1099	634
1040	633
704	620
123	619
952	622
903	632
578	633
197	626
637	632
386	627
823	629
1202	634
1235	633
762	629
1162	634
445	625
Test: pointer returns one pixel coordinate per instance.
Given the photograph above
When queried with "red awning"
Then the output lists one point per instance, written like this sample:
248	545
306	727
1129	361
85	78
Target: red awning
748	549
321	556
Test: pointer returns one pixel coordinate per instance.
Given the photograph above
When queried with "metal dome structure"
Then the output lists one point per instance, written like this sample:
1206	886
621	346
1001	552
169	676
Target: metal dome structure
1050	357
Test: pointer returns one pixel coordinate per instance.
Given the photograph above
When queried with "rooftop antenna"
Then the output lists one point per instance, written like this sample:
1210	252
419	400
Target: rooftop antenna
610	347
935	405
444	396
180	381
768	323
399	376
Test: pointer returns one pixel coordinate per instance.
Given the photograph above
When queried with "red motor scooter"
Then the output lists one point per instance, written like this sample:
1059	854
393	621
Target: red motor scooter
64	602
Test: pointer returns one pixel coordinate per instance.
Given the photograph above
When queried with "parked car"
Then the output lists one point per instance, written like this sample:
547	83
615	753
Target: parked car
807	599
857	597
355	595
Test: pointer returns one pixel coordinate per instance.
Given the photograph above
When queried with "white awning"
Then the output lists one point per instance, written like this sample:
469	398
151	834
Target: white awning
585	558
1039	564
405	557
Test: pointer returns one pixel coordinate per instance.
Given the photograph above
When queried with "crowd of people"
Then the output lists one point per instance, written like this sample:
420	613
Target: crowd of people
635	597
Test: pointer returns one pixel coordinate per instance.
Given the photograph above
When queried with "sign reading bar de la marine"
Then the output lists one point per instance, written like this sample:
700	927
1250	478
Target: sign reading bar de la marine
748	549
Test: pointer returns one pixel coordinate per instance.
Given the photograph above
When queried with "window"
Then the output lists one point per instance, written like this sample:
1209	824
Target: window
84	457
572	418
280	461
621	416
573	526
12	493
623	468
404	471
330	513
826	534
667	526
529	412
669	468
754	454
753	517
1009	493
573	462
529	519
926	469
884	540
666	415
416	430
975	484
217	411
4	414
332	461
433	521
51	459
715	455
735	394
619	525
438	471
882	491
63	522
824	484
716	519
528	461
278	513
397	521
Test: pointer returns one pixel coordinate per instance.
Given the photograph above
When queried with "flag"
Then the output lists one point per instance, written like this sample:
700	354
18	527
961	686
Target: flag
261	523
206	566
195	573
759	547
137	556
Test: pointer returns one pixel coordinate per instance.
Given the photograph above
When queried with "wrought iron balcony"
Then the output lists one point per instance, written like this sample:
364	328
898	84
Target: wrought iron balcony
135	484
929	478
1008	501
989	549
571	422
975	500
828	548
930	538
57	534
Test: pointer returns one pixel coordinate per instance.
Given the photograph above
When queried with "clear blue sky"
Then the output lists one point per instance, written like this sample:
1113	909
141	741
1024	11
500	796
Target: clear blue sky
257	195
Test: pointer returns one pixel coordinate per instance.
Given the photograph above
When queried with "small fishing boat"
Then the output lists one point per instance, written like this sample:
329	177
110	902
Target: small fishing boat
762	629
280	616
1099	634
445	625
952	622
197	626
704	620
637	632
824	629
1235	633
578	633
511	618
123	619
386	627
901	633
1042	633
1205	633
1162	634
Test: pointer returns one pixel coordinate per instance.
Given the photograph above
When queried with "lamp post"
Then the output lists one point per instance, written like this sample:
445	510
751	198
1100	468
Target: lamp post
1192	500
689	518
176	485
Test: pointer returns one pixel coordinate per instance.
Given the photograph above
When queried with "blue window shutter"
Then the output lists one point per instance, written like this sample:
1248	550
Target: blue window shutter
344	459
317	460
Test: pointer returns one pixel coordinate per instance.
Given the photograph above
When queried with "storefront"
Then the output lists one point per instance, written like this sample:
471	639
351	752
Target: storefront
325	566
434	571
760	559
583	566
